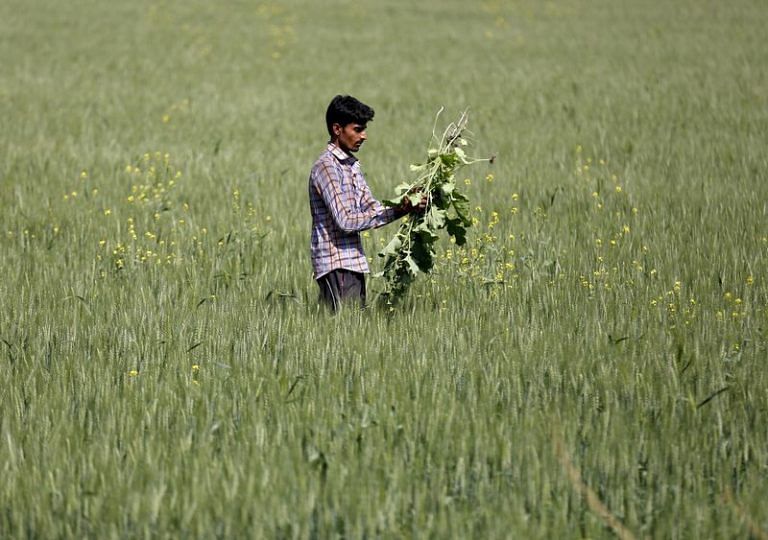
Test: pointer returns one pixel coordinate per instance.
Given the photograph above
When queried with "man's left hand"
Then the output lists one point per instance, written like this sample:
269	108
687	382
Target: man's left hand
407	207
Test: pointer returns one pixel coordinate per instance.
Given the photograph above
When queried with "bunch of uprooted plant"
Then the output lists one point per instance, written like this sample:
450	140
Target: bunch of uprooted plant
412	250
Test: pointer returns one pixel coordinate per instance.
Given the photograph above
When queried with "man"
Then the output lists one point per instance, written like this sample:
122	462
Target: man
342	206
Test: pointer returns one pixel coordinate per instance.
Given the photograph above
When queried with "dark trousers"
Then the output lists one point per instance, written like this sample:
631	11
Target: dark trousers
338	287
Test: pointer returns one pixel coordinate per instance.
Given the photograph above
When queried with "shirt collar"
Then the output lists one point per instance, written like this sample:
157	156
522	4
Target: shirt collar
341	155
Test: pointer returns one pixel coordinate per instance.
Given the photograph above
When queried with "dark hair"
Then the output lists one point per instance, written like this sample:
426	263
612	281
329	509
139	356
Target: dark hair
345	110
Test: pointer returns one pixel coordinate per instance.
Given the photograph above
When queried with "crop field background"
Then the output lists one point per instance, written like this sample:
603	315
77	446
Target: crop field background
591	364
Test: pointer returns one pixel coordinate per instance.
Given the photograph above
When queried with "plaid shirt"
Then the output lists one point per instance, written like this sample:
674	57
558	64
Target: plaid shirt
342	206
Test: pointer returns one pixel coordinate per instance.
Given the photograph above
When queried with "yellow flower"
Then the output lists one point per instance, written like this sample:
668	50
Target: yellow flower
133	373
195	368
750	280
618	189
468	181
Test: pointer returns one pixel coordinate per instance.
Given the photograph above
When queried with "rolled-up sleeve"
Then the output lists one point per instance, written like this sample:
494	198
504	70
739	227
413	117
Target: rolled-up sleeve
338	194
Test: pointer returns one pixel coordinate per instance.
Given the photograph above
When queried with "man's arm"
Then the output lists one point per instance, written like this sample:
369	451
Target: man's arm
327	180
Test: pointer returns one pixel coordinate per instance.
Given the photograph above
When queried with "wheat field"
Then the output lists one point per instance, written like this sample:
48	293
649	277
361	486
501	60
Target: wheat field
591	364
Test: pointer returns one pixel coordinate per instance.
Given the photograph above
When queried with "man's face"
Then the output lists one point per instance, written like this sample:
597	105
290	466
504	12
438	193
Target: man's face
350	137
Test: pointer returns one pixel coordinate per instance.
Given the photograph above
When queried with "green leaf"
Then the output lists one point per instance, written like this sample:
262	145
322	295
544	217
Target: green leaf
458	195
435	217
420	225
425	235
449	160
461	205
413	268
456	229
402	192
404	187
447	187
391	249
461	155
422	255
415	198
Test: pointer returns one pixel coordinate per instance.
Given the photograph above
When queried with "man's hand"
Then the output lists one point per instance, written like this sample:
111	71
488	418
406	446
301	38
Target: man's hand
407	207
